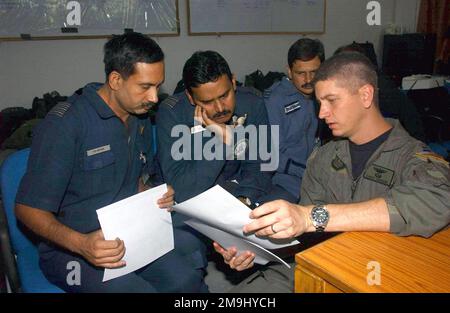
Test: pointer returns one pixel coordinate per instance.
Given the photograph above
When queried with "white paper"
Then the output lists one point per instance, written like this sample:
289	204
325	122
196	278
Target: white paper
262	256
221	210
145	229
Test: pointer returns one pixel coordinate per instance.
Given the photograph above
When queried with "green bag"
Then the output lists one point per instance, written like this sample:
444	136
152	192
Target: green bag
21	137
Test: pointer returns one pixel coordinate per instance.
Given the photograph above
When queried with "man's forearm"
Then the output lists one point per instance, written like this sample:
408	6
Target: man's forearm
371	215
45	224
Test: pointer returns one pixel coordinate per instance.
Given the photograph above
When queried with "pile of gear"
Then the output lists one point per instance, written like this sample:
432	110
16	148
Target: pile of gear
17	123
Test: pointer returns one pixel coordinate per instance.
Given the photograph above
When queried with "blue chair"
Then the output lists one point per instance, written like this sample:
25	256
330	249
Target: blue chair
20	254
439	149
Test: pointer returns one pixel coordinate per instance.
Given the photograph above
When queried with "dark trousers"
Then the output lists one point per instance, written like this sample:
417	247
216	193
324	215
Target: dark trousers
191	244
171	273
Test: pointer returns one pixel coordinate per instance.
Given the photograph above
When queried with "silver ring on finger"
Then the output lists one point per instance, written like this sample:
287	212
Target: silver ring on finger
273	230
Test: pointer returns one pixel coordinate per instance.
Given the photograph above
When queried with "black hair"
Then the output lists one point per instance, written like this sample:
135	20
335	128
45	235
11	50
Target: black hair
204	67
353	69
305	49
122	52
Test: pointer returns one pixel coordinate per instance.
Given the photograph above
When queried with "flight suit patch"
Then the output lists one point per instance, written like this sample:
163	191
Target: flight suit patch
431	173
379	174
337	164
430	156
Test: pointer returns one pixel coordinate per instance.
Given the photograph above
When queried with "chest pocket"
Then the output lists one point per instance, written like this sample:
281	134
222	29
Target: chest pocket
98	172
98	161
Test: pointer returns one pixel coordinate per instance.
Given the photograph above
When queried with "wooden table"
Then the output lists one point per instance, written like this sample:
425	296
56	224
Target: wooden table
403	264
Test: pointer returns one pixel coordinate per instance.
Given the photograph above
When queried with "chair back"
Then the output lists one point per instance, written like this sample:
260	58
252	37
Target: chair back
23	242
12	171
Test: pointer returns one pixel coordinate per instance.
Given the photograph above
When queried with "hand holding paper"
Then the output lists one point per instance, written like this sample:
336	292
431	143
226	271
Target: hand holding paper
145	229
237	260
220	216
279	220
103	253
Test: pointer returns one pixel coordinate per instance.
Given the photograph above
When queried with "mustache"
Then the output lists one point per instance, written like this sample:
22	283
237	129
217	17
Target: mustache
220	114
147	105
307	86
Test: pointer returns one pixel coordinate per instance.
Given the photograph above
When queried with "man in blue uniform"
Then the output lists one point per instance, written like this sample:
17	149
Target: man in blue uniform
208	112
290	105
211	100
90	152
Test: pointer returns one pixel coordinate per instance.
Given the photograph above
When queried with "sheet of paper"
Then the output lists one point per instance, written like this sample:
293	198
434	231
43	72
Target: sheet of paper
220	209
262	256
145	229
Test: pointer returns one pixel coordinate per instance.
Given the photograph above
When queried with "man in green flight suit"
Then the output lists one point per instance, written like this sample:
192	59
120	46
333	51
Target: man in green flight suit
374	178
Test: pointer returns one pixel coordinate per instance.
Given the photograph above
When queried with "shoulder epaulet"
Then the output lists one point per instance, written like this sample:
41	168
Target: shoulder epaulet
170	101
60	109
267	93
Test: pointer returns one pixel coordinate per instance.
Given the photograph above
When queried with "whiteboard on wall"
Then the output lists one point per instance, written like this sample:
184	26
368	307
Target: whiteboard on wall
208	17
63	19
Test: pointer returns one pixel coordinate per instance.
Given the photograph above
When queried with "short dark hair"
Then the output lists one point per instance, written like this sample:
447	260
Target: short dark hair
204	67
122	52
353	70
305	49
355	47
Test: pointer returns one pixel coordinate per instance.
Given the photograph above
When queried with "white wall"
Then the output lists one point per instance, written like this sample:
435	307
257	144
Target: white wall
406	14
31	68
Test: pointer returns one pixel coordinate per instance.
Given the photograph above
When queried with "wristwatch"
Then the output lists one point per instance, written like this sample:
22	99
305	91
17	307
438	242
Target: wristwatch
319	217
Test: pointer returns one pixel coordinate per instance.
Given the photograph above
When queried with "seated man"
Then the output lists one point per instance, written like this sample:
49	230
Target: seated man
92	151
290	105
206	115
375	178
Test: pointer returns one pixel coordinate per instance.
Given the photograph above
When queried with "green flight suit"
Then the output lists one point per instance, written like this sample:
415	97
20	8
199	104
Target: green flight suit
403	171
413	181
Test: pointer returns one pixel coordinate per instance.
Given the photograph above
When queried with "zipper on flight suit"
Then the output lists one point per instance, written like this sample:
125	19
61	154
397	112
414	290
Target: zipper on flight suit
354	185
374	157
368	164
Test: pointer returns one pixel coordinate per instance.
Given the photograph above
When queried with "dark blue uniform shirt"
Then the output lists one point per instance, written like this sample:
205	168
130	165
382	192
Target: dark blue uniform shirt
295	114
191	177
82	158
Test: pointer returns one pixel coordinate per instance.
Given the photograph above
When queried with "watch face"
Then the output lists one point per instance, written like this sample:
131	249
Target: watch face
320	215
